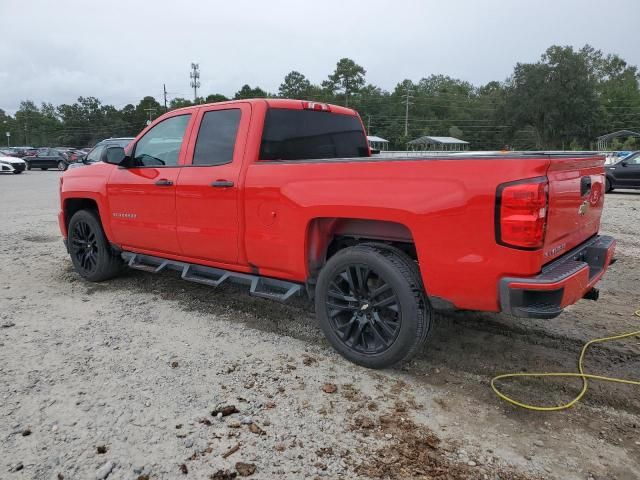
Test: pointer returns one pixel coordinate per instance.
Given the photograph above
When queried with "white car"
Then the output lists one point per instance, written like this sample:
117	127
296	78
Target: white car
12	165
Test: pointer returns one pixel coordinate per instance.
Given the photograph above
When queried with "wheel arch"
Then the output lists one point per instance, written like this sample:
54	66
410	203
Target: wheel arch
328	235
73	204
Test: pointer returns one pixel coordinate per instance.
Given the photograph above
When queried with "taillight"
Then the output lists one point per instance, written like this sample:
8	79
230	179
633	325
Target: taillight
318	107
521	213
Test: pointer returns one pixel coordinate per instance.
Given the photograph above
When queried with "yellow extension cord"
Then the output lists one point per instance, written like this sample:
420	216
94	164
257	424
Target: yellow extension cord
582	375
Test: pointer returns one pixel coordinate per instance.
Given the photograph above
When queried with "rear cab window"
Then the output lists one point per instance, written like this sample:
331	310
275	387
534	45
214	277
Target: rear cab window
307	134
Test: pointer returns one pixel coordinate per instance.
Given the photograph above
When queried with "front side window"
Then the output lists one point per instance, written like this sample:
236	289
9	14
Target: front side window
95	154
309	134
160	146
217	137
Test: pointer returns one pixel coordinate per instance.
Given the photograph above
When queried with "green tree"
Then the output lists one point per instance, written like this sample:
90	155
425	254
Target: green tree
557	96
247	92
295	85
347	79
215	97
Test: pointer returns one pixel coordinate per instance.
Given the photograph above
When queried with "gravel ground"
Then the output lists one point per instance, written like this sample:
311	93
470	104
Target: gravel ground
147	376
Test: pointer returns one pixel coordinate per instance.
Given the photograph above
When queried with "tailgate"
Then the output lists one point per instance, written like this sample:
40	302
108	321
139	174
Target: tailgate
576	198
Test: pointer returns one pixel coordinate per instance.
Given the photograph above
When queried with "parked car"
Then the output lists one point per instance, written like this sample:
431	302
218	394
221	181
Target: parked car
624	174
8	152
12	165
76	156
47	158
283	196
99	152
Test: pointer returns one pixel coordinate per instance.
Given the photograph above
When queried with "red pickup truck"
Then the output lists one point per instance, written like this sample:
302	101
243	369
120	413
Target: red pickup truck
284	196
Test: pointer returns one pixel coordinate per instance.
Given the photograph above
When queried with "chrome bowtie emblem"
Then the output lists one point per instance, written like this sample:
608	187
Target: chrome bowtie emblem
364	307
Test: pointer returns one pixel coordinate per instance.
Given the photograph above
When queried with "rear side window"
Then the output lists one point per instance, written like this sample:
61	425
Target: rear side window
217	137
309	134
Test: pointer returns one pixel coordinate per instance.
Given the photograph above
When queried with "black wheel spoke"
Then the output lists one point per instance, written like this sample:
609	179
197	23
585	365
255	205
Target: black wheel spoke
380	290
83	246
382	338
388	329
363	309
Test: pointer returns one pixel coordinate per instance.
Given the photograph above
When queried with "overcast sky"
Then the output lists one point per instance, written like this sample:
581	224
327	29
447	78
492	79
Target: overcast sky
119	51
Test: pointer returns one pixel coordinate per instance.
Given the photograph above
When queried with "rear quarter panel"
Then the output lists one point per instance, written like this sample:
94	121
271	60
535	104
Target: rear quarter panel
447	204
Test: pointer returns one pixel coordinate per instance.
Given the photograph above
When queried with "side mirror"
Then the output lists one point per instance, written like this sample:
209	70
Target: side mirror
624	163
115	155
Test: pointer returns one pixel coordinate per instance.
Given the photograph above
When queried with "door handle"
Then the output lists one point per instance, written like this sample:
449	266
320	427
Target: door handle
222	184
163	182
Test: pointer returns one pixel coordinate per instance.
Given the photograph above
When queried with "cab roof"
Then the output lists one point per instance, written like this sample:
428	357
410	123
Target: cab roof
276	103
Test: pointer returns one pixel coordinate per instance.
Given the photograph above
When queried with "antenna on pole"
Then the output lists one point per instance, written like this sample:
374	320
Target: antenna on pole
195	80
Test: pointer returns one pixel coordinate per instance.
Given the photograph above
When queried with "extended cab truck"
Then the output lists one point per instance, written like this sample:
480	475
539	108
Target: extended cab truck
281	194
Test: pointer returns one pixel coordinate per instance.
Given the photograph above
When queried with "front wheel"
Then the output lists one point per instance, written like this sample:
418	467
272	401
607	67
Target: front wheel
62	166
371	305
90	251
17	172
44	169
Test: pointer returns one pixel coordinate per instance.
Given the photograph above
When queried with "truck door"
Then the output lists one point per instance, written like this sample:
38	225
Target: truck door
142	195
208	188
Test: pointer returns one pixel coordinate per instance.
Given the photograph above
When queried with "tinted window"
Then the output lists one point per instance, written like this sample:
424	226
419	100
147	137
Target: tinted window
95	154
305	134
217	137
160	146
633	159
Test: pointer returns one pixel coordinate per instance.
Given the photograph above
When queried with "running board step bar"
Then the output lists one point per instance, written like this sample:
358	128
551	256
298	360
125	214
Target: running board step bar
264	287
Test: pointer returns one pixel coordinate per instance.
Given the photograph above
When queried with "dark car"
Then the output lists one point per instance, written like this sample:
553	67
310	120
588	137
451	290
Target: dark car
47	158
624	174
99	152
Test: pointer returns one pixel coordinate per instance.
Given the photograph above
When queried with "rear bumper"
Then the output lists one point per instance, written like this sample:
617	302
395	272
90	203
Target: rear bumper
562	282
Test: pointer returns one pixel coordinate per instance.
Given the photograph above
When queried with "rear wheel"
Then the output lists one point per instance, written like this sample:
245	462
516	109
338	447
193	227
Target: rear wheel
371	305
44	169
607	185
62	166
89	248
17	172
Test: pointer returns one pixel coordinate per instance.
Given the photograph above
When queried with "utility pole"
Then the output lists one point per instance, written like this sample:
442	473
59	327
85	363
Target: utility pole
26	138
368	124
407	97
195	80
164	89
151	112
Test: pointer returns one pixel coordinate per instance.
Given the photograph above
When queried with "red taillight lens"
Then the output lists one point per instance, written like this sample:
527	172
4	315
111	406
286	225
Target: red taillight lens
522	213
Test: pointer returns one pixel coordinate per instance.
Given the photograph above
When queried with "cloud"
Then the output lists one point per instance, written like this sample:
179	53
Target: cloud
121	51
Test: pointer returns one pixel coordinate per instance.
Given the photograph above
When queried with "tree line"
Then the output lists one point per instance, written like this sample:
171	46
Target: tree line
563	101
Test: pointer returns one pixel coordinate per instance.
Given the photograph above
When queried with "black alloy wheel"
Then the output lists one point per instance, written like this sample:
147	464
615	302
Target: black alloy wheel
90	250
371	305
363	309
84	247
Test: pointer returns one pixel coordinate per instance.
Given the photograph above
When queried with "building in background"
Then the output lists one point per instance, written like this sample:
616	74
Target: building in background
442	144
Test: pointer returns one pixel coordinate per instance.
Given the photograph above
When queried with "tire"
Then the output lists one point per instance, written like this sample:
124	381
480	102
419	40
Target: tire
607	185
90	251
381	321
28	166
62	166
44	169
17	172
